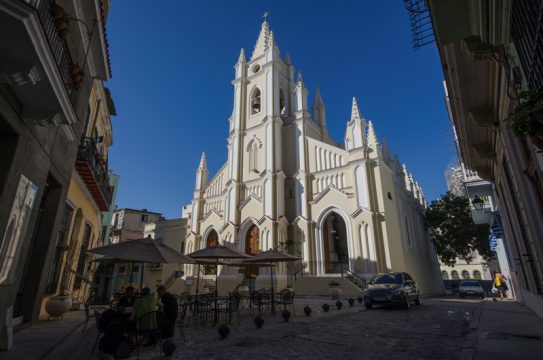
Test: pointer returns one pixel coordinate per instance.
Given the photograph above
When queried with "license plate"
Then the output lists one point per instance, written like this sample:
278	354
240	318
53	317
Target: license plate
380	298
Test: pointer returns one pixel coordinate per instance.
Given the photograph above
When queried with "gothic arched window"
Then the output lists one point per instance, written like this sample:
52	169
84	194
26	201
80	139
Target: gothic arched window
455	276
465	275
253	157
256	101
477	274
445	275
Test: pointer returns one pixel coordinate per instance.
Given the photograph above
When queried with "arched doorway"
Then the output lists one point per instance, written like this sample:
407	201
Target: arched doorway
252	247
335	247
212	240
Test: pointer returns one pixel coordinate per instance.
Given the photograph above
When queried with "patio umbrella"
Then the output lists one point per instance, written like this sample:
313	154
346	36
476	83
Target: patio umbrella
146	250
271	256
215	253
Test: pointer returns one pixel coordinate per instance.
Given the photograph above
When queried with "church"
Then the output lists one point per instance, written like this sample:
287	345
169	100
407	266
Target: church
288	185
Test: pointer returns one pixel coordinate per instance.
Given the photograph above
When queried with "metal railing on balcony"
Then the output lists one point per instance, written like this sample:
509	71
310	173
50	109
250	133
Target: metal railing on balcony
58	46
89	155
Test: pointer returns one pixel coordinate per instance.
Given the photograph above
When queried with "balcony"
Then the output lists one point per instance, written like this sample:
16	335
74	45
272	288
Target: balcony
93	170
37	63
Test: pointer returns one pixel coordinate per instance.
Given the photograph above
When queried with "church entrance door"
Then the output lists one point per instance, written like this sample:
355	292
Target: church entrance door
211	242
252	247
336	251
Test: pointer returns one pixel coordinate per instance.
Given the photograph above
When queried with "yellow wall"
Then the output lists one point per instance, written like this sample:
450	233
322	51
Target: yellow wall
84	212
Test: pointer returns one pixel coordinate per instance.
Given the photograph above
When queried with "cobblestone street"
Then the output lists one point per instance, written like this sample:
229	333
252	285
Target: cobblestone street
435	330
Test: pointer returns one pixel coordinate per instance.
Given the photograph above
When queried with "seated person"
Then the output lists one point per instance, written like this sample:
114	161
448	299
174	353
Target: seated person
168	307
128	299
145	304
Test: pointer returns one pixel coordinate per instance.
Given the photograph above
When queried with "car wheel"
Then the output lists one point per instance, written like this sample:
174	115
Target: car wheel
482	297
418	300
368	306
407	303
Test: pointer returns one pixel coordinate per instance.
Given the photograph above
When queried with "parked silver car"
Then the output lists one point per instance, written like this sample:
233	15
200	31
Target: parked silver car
471	288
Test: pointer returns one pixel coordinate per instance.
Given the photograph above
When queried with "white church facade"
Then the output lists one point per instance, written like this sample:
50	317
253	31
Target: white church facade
287	184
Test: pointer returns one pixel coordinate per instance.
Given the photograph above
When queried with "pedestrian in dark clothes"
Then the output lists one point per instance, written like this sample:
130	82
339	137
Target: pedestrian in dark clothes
169	309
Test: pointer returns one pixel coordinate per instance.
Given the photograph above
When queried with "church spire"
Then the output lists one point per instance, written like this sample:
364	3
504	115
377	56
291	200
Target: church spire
241	58
287	59
201	174
372	137
262	42
203	162
319	111
317	99
355	113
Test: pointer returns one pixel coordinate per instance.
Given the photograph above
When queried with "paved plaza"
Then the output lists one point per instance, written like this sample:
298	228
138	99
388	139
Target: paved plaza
442	328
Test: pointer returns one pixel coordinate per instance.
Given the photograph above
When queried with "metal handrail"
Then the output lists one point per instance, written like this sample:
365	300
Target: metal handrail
300	269
59	47
346	269
88	152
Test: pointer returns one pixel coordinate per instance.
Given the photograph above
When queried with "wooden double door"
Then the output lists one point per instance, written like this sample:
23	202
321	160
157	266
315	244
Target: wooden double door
252	247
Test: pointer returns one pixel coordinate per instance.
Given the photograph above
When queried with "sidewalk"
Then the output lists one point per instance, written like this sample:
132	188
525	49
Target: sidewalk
506	330
38	340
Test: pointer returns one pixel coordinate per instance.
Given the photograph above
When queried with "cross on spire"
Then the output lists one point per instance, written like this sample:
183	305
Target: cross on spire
265	15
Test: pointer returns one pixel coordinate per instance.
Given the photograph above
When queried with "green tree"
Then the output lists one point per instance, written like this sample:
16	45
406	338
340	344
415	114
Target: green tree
453	231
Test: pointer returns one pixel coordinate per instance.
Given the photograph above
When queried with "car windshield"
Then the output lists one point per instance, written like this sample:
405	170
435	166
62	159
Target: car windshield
469	283
387	279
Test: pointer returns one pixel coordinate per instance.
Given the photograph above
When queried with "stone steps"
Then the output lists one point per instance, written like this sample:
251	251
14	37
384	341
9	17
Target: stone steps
318	286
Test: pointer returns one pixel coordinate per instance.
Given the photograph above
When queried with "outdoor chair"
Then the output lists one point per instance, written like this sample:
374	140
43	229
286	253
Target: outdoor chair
183	307
232	307
146	329
203	307
87	317
260	299
100	328
286	298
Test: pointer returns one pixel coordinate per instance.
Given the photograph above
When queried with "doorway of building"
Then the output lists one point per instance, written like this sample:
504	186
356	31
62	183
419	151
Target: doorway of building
252	247
336	251
211	241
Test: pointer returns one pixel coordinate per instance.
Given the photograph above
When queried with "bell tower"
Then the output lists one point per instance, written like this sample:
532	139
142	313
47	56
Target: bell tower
263	98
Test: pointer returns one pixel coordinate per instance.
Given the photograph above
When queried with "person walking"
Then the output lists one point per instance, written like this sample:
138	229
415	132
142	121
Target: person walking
500	283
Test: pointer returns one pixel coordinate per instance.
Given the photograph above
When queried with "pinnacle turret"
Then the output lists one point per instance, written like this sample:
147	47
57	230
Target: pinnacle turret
241	58
317	99
355	113
372	140
287	59
300	79
203	163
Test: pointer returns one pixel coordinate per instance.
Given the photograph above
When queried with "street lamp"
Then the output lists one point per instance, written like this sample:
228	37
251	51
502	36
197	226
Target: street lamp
478	203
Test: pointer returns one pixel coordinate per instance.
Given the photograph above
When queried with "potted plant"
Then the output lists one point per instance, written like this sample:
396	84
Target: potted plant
334	288
527	119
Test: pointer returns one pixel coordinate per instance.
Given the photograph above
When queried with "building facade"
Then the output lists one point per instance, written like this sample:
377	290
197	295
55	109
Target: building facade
288	185
172	233
49	63
490	52
89	198
128	224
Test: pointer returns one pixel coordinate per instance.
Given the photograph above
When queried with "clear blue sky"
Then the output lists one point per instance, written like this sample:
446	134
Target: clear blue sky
173	61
